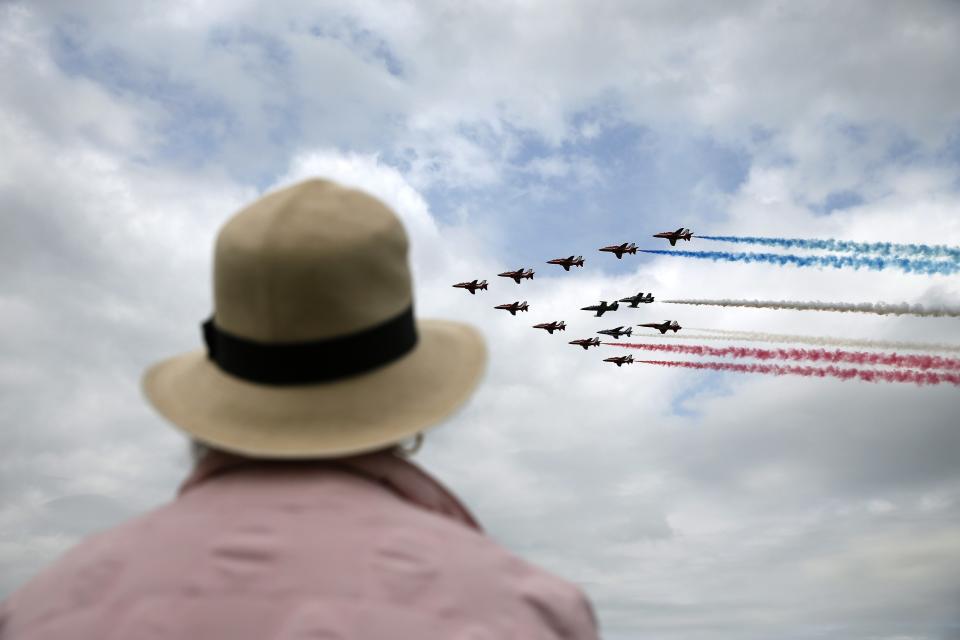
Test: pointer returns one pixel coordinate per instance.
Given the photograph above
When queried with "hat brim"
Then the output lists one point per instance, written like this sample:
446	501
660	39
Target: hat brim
325	420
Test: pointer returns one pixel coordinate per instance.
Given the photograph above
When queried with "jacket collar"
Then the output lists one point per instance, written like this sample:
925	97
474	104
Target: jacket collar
402	477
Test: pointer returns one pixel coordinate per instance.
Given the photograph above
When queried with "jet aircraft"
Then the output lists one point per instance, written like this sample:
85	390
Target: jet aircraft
566	263
619	331
663	327
551	326
586	343
513	307
472	286
620	360
517	275
601	308
637	299
673	236
620	249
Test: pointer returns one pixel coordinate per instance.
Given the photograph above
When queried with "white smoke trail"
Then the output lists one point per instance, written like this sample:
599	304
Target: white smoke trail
817	341
878	308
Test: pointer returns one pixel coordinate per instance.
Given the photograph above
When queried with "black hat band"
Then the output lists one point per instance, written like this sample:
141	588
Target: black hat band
291	363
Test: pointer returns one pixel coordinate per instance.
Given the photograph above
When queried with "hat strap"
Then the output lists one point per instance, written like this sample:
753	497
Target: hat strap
288	363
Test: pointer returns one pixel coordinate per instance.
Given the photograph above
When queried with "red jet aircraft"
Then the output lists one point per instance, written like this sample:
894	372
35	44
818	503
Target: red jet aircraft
620	360
472	286
513	307
566	263
517	275
673	236
551	326
663	327
620	249
586	343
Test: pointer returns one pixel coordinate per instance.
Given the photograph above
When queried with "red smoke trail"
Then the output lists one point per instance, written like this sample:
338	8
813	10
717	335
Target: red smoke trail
814	355
868	375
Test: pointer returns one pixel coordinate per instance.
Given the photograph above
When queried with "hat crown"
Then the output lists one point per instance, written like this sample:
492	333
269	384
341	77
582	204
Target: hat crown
309	262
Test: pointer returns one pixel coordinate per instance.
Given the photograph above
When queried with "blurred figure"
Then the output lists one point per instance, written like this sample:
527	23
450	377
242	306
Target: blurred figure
303	517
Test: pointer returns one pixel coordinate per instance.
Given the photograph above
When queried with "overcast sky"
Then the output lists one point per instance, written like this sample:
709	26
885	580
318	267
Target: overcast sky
686	504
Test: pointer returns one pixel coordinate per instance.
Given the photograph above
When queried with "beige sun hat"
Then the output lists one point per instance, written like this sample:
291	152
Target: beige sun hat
313	350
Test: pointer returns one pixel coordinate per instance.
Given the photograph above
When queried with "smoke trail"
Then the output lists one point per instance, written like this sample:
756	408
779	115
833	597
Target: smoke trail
875	248
813	355
878	308
909	265
867	375
816	341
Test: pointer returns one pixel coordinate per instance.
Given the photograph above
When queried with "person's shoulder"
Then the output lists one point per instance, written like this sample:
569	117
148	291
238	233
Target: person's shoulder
544	599
82	575
486	578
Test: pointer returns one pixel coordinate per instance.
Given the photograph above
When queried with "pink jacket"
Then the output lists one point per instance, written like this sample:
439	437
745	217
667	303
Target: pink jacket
365	548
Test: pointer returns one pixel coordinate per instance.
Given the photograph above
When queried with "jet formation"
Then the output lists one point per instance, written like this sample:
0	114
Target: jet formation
673	236
577	261
472	286
551	326
637	299
517	275
513	307
663	327
616	333
566	263
586	343
601	308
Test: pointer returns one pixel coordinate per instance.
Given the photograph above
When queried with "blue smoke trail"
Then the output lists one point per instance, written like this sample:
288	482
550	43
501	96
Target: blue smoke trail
928	267
845	246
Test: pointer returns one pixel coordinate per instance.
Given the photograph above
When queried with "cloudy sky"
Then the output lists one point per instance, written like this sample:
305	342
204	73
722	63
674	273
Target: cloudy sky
687	504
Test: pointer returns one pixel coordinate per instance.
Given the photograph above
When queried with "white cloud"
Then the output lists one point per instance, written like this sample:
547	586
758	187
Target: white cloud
470	77
769	504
